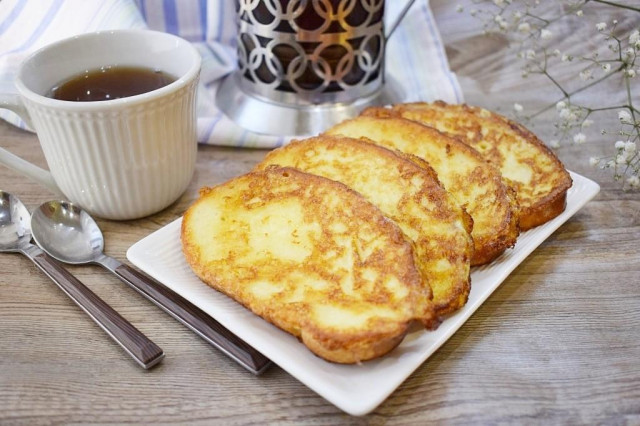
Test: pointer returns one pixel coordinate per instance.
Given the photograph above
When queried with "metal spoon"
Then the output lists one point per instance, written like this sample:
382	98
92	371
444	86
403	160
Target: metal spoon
15	236
69	234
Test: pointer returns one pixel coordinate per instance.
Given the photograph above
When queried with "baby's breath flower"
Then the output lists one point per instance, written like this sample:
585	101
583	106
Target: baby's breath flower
633	181
630	147
620	52
628	54
524	27
565	113
625	117
502	23
585	75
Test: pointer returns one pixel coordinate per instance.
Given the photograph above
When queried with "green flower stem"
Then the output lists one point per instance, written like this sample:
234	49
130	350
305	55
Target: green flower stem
567	95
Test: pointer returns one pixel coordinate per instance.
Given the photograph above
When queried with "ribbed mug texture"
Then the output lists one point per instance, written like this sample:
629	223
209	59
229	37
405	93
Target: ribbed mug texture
123	163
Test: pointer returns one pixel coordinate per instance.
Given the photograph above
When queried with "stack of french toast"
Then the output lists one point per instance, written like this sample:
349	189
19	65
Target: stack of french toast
348	239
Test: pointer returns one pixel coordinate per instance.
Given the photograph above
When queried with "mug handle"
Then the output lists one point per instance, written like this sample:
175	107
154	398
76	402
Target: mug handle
401	16
43	177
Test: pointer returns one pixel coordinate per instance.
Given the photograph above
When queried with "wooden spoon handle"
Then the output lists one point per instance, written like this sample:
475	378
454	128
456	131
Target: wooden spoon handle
140	347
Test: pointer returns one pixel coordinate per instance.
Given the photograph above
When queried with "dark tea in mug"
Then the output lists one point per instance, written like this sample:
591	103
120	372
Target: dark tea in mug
110	82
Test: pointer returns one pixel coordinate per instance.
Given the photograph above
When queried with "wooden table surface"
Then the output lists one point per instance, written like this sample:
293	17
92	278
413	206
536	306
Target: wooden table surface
557	342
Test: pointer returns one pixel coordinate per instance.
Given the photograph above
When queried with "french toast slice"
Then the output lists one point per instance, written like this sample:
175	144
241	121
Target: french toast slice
341	278
533	170
475	184
406	193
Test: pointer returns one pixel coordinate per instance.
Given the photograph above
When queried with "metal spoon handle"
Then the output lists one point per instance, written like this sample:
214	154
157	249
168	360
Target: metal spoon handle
190	315
140	347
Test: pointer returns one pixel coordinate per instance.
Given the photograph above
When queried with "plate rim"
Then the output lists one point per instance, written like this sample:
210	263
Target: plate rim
576	199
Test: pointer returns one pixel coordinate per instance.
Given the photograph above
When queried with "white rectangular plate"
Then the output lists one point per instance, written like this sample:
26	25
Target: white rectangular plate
355	389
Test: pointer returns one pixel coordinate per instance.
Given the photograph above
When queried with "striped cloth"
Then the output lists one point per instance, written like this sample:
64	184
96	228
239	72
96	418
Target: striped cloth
415	54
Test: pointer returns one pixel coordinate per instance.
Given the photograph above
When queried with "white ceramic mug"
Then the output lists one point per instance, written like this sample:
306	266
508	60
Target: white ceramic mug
119	159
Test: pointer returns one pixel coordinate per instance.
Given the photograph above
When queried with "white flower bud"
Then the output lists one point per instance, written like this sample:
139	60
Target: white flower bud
579	138
634	181
554	143
586	123
566	58
625	117
498	3
556	52
579	13
630	72
634	37
630	147
561	105
530	54
606	67
524	27
594	161
619	145
601	26
565	114
621	159
517	107
459	8
585	75
545	34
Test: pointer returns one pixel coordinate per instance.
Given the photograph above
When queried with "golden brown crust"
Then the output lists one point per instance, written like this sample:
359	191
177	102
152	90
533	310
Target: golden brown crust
531	168
475	184
407	193
345	283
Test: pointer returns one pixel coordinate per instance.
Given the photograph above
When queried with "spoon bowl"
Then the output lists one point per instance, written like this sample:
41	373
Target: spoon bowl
67	232
15	229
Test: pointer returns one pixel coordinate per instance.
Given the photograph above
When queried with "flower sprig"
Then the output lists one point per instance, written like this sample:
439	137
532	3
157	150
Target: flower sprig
530	32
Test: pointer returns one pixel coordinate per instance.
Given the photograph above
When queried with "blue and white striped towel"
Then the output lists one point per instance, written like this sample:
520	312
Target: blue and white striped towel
415	54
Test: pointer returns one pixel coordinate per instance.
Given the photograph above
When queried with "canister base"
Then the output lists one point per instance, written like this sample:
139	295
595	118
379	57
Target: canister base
263	116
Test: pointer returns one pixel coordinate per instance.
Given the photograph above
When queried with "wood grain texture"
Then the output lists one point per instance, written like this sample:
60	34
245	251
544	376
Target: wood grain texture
557	343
